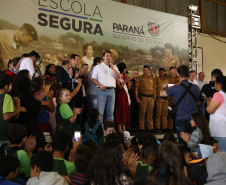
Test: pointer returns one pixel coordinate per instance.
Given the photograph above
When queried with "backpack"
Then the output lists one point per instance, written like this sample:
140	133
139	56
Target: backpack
90	134
195	176
12	151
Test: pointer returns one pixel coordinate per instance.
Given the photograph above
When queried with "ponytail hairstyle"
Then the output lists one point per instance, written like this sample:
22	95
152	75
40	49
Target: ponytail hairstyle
59	93
222	80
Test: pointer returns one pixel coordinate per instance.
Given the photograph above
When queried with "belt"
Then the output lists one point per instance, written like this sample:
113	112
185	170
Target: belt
108	87
146	95
165	98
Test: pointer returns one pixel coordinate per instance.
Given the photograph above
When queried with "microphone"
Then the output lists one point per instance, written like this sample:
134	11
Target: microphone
39	60
109	62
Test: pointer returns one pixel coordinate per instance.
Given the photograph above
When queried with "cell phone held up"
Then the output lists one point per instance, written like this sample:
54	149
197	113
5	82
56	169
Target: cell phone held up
77	134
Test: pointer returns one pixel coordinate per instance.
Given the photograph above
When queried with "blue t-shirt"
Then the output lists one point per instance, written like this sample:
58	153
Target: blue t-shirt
43	115
188	105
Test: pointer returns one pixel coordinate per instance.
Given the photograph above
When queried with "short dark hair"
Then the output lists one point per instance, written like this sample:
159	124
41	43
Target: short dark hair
16	133
61	140
24	55
169	46
161	69
34	53
192	72
8	164
216	73
108	124
169	137
97	60
121	66
222	80
42	159
183	71
85	65
148	149
10	62
64	62
73	56
83	158
93	114
106	52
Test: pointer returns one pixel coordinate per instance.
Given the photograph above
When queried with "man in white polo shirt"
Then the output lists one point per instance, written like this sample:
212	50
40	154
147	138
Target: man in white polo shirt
104	76
28	63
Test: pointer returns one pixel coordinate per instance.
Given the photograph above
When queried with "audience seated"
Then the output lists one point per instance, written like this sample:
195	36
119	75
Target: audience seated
61	141
17	135
149	152
108	127
9	167
198	172
216	169
42	170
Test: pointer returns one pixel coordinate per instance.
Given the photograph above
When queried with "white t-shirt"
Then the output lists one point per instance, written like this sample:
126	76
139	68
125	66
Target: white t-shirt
87	61
105	75
194	82
27	63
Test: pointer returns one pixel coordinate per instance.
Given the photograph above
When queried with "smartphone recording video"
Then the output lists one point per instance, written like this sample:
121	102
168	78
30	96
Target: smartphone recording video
77	134
170	85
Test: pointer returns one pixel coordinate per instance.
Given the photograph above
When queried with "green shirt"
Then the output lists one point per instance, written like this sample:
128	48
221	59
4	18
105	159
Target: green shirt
6	106
64	167
142	170
24	159
101	140
65	111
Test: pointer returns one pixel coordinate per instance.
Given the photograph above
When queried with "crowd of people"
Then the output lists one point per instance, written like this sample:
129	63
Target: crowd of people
69	124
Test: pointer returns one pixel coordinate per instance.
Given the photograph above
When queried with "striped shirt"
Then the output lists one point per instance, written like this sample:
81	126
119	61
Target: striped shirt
77	178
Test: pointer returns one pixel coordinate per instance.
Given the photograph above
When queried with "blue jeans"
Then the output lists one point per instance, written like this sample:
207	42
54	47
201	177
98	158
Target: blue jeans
221	143
183	125
93	101
106	99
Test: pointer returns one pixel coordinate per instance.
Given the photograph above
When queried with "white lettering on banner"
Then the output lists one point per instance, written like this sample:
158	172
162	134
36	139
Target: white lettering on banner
75	6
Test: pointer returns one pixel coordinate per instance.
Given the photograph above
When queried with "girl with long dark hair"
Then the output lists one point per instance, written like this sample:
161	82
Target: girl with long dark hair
107	166
201	132
167	166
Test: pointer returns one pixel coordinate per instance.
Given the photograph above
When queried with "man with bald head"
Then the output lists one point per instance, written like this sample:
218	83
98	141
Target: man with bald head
200	80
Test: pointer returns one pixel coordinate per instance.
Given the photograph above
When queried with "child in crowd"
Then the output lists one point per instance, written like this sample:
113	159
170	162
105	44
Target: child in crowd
202	131
61	141
41	170
149	152
93	126
167	165
107	165
52	115
83	158
169	137
108	127
18	137
38	86
65	117
200	155
44	142
8	110
9	167
216	169
185	158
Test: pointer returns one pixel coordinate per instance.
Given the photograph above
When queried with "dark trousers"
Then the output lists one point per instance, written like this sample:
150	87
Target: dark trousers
183	125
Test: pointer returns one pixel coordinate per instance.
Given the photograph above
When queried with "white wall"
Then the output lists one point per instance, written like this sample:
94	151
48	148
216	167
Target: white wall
214	53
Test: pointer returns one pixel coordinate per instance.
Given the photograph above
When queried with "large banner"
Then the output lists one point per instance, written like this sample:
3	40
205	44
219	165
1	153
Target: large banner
136	36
